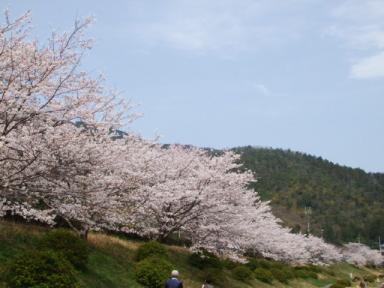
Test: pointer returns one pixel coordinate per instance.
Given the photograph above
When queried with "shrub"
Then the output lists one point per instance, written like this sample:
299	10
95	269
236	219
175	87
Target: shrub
289	272
242	273
342	283
259	263
313	268
282	275
152	272
370	278
302	274
336	285
277	265
204	260
228	264
330	272
263	275
305	274
69	245
213	276
43	269
150	249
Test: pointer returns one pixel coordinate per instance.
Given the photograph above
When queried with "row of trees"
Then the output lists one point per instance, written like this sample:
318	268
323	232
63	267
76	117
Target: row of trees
63	157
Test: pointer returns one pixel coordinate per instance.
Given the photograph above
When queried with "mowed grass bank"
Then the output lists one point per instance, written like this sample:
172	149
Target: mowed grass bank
112	261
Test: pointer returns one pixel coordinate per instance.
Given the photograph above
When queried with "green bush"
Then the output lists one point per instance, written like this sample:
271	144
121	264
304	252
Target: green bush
204	260
152	272
242	273
259	263
313	268
370	278
263	275
336	285
150	249
305	274
69	245
213	276
289	272
278	265
43	269
228	264
330	272
282	275
342	283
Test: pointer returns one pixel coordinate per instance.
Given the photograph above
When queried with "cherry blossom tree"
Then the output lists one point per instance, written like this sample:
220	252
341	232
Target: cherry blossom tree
361	255
41	89
88	178
189	185
206	198
43	96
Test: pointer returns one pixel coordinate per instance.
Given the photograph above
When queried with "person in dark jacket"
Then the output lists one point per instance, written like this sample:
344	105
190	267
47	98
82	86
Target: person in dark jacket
173	282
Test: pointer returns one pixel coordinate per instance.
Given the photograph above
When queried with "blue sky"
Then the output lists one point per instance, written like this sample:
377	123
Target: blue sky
300	74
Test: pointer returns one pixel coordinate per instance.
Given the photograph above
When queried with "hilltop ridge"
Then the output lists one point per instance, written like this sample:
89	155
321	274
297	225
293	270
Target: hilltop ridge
346	203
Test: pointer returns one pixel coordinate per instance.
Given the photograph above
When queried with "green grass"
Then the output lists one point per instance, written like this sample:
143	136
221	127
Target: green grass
112	259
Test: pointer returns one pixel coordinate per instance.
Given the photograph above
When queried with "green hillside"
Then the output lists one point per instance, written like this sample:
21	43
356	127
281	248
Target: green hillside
346	204
112	261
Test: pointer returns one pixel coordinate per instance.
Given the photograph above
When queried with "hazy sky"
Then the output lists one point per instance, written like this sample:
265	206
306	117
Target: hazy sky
300	74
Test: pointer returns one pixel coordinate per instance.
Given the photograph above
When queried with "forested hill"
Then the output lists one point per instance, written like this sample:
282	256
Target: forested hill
346	204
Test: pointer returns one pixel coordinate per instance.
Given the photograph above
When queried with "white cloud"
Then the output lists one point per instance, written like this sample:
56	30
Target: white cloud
360	25
360	11
222	26
261	88
370	67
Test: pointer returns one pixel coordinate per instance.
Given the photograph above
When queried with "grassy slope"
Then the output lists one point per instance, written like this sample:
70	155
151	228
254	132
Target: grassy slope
112	259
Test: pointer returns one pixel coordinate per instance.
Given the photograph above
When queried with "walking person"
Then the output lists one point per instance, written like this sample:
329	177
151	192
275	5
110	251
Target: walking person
173	282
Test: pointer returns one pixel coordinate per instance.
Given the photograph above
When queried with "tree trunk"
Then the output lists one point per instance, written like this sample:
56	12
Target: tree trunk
84	232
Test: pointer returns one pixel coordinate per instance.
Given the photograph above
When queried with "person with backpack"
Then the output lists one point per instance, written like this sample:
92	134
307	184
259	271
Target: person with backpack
173	282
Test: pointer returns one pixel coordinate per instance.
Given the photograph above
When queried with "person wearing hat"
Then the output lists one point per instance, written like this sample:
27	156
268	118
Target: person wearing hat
173	282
